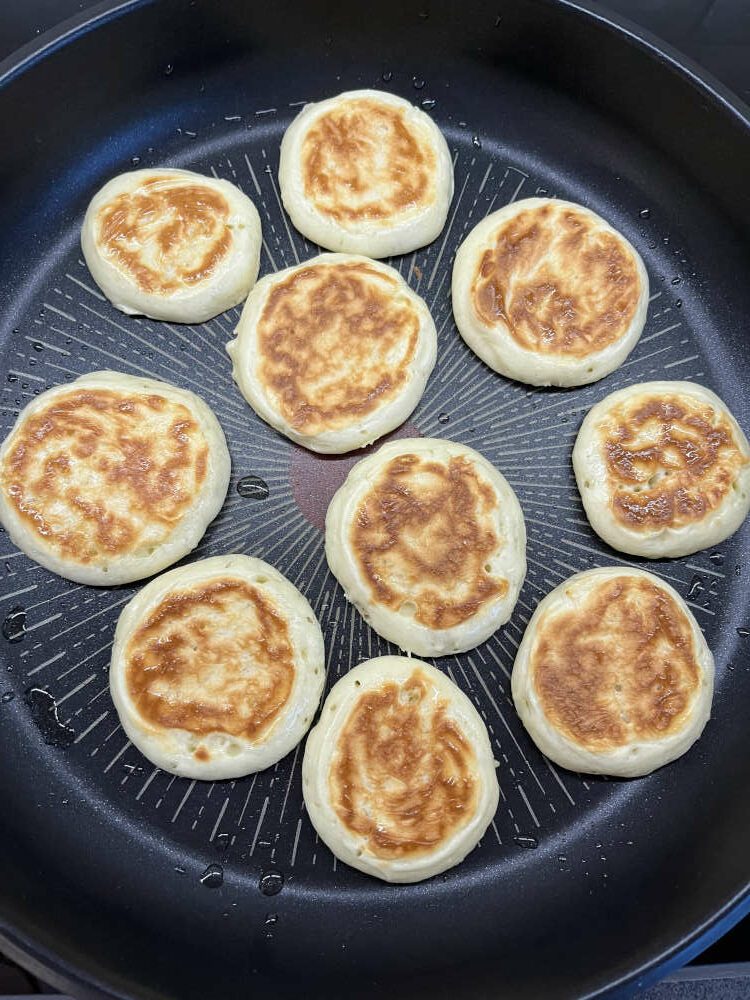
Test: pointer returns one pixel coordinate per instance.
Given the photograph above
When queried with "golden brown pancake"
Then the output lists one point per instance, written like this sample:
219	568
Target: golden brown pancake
428	541
613	675
366	172
362	161
548	293
217	668
403	777
99	474
335	344
172	244
663	469
560	283
670	460
619	667
213	658
424	535
334	352
166	234
398	775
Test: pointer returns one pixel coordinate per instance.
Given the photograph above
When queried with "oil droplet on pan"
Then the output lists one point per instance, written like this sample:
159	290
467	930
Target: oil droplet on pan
271	883
44	714
14	626
253	487
213	876
528	842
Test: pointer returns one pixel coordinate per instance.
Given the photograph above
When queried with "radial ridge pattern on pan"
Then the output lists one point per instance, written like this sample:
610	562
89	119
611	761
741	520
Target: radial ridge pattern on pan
68	329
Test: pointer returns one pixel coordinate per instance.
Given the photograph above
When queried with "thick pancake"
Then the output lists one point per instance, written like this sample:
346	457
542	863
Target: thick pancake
547	292
166	234
363	161
403	776
217	667
334	352
212	658
112	478
613	674
366	172
398	774
663	469
423	535
428	541
172	244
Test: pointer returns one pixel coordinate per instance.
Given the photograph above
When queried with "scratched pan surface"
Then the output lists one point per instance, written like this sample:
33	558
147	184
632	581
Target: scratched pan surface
120	880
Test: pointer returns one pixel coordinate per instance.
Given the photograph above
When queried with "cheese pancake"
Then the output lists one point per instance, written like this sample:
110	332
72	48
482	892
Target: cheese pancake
112	477
335	352
548	293
398	776
613	675
366	172
663	469
217	668
428	541
172	244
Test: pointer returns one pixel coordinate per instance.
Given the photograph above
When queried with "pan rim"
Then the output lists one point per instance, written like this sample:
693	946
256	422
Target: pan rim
48	964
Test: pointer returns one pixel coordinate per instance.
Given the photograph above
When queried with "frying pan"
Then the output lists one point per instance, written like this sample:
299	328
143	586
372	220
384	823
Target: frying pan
118	880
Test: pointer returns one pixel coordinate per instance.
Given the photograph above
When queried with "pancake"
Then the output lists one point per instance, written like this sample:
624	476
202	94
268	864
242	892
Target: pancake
663	469
366	172
217	668
398	776
548	293
111	478
335	352
172	244
428	541
613	675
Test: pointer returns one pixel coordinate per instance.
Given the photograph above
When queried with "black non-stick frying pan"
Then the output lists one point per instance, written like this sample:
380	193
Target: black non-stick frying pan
119	880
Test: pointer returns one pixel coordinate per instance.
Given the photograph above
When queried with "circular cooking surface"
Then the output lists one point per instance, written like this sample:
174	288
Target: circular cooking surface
241	855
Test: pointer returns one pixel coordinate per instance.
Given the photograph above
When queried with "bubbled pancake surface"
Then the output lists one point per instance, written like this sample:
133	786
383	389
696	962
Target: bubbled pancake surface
336	343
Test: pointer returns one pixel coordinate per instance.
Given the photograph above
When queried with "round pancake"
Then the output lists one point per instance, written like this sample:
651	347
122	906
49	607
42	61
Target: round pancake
663	469
613	675
428	541
172	244
548	293
217	668
335	352
398	776
366	172
112	477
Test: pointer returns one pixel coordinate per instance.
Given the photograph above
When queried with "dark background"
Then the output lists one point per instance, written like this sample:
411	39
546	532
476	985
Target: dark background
713	33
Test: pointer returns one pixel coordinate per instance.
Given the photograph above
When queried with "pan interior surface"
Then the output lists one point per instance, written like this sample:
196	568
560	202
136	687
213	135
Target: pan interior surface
122	880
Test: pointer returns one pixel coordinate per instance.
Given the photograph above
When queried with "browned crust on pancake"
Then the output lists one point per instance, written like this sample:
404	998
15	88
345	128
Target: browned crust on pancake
213	658
618	667
343	159
183	220
143	478
403	775
324	339
435	536
560	284
671	461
